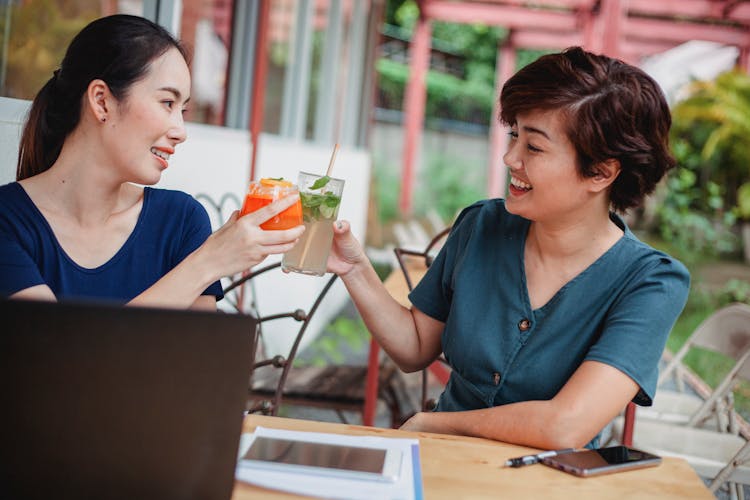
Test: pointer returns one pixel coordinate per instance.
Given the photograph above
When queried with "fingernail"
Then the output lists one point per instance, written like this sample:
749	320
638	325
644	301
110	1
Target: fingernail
339	224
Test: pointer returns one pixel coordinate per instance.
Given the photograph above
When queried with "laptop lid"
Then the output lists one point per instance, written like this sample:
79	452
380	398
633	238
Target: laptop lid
101	401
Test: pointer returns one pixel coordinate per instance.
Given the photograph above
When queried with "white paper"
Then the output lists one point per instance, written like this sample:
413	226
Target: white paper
404	488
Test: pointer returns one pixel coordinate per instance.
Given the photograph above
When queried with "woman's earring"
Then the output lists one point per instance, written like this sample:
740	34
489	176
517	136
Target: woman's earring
104	119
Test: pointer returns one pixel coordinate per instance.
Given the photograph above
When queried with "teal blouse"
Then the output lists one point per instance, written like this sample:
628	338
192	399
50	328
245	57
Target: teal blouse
618	311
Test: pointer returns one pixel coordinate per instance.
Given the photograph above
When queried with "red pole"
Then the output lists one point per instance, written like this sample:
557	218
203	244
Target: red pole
259	82
613	15
628	425
496	169
415	98
371	384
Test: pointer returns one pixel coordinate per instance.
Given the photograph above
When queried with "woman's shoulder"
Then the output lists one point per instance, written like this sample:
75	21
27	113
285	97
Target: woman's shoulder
11	192
652	260
181	207
15	203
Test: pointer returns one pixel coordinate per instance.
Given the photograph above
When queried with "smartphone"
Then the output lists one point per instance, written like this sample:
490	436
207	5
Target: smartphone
354	462
602	461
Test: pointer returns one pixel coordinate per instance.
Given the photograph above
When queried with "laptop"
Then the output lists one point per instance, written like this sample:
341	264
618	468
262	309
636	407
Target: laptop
103	401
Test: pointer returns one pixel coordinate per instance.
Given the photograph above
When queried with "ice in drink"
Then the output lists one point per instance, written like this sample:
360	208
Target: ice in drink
266	191
320	197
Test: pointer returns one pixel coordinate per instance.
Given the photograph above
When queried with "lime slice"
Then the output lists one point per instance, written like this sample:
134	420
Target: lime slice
326	211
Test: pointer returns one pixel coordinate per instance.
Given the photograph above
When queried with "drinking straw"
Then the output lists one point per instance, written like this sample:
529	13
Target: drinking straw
333	158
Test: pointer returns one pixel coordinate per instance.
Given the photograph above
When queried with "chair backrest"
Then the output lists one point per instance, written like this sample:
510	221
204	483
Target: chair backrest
428	255
271	406
726	331
413	269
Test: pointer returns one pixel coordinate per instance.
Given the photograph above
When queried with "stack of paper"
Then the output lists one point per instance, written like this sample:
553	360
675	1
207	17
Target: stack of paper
407	486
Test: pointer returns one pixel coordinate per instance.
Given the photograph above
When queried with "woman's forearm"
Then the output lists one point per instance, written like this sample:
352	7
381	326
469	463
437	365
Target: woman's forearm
536	424
181	286
392	325
589	400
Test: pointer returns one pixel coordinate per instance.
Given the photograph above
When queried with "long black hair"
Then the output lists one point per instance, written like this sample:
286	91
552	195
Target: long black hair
117	49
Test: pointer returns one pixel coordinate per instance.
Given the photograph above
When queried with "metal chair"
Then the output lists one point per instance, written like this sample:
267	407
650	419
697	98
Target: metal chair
721	456
266	393
725	332
275	381
413	270
704	431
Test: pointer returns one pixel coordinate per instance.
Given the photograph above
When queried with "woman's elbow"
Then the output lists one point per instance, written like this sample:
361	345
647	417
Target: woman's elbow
568	430
410	365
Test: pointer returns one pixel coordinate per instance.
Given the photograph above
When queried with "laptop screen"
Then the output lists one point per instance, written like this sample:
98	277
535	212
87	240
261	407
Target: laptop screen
120	402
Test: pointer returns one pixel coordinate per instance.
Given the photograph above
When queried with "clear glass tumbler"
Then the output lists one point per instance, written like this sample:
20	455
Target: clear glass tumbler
321	198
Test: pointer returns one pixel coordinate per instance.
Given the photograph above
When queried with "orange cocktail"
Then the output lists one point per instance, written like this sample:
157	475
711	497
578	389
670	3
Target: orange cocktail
266	191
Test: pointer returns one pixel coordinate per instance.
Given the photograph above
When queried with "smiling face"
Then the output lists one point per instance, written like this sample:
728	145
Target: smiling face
545	180
143	129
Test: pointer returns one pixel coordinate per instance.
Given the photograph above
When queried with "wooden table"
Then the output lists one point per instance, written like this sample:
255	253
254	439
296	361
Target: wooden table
456	467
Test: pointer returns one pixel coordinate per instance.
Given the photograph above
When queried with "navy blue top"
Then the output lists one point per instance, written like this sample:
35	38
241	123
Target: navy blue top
618	311
170	226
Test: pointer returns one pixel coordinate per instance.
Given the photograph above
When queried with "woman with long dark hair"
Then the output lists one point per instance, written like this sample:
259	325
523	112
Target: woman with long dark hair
78	223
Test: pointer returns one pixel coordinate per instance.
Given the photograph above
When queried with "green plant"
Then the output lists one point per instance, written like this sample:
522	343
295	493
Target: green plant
743	202
715	122
386	186
448	185
448	96
735	290
692	219
329	347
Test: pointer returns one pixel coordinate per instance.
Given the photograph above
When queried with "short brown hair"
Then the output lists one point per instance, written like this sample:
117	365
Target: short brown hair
614	111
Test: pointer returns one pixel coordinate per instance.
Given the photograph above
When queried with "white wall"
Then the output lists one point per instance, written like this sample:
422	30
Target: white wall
12	115
216	160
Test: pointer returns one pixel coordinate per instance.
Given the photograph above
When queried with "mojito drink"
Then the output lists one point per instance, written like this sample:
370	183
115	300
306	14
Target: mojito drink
320	197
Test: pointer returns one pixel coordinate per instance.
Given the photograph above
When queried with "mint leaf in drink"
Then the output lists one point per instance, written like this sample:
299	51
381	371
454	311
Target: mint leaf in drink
310	200
320	182
319	206
331	200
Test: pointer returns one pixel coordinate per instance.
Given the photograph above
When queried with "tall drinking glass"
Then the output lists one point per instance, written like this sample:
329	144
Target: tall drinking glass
321	198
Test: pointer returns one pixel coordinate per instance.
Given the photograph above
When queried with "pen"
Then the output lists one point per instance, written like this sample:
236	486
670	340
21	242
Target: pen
533	459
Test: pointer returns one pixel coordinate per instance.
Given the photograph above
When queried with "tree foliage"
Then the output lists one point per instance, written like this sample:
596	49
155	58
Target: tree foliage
38	34
714	124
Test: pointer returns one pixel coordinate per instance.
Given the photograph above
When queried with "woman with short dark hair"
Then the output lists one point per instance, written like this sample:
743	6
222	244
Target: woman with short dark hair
78	223
551	313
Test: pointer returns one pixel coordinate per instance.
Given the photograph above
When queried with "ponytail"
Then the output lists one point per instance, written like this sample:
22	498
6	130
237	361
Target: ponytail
49	122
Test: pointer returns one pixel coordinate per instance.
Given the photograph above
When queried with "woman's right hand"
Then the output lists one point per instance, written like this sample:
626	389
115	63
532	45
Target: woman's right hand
241	243
346	252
